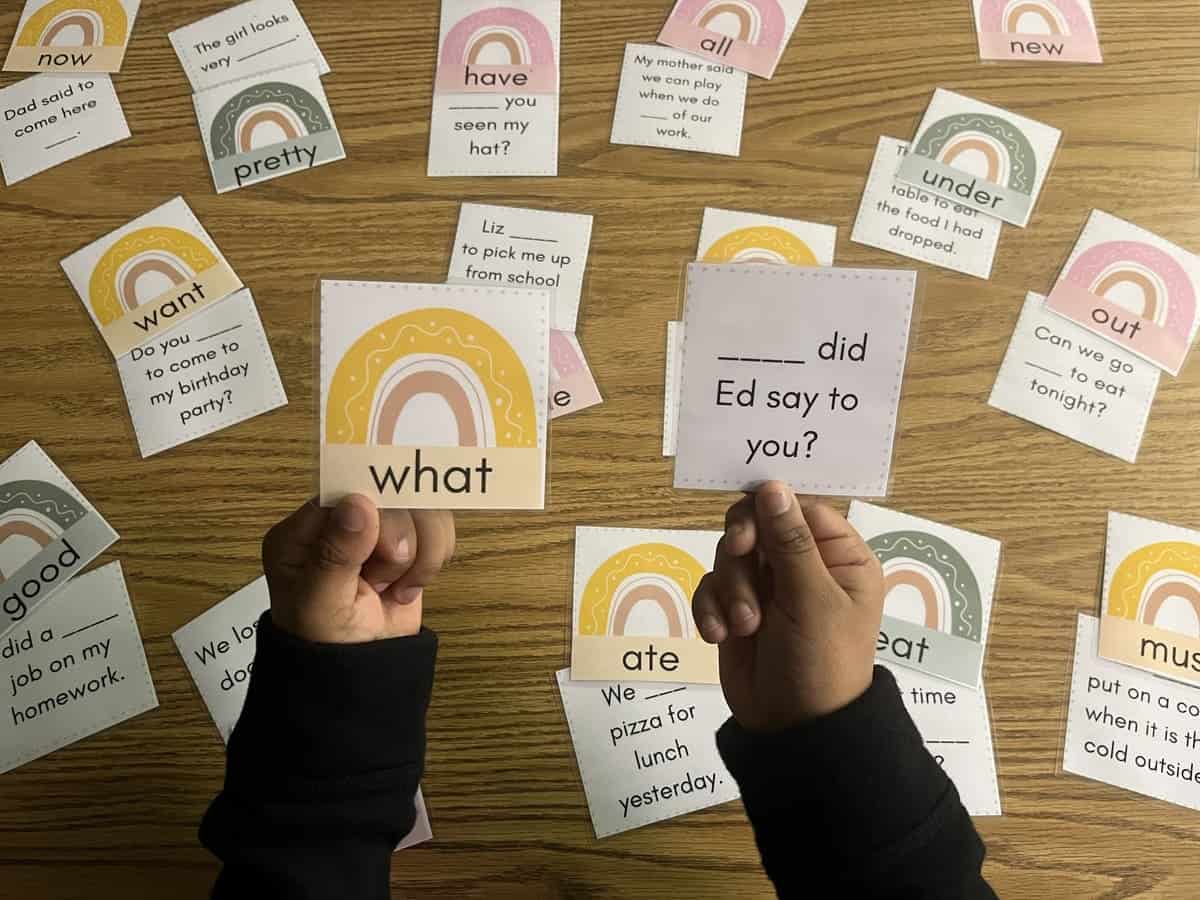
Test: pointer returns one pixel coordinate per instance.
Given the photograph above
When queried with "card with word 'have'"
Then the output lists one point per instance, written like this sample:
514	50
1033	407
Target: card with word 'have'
495	95
72	36
981	156
434	396
1037	30
749	35
939	583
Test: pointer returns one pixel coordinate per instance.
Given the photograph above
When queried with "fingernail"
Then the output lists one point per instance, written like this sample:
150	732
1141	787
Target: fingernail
349	517
381	587
712	627
403	550
409	595
778	502
742	613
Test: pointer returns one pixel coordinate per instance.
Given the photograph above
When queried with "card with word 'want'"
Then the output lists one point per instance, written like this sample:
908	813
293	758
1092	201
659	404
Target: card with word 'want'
1132	288
981	156
1037	30
72	36
48	533
750	35
267	126
149	276
939	583
495	96
434	396
633	605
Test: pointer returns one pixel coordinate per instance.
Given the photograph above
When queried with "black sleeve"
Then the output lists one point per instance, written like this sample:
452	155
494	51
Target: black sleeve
322	767
853	805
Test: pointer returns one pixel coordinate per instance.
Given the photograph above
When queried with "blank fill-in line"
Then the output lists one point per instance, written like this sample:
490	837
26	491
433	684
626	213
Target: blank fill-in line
664	693
656	118
1044	369
269	49
63	141
948	742
218	333
517	237
460	108
759	359
93	625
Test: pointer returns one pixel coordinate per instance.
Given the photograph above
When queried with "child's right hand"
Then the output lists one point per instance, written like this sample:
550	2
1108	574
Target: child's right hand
795	602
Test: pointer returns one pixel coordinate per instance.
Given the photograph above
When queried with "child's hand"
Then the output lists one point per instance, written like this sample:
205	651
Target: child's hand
353	574
795	601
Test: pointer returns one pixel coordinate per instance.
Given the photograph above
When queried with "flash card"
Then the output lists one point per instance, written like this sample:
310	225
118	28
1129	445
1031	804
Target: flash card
72	36
1041	31
572	385
750	35
671	392
727	236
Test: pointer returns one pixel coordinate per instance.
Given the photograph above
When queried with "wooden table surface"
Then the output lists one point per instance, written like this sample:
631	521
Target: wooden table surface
115	816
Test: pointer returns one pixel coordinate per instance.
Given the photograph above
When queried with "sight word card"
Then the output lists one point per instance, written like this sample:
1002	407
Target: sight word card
673	100
1045	31
980	156
727	236
49	120
1063	377
434	396
572	385
749	35
674	375
646	752
72	37
75	669
799	380
243	40
1132	288
495	94
48	534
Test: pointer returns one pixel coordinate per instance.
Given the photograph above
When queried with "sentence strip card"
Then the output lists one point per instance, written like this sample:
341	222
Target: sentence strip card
646	752
75	669
749	35
208	374
48	533
939	584
1048	31
495	95
1058	375
149	276
434	396
67	38
218	648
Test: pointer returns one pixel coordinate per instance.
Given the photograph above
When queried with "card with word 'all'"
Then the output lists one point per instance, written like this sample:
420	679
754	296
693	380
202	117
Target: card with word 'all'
1133	288
434	396
1037	31
72	36
749	35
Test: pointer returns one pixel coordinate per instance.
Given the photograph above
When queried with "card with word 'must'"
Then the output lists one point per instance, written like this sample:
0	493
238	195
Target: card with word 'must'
727	236
1133	288
495	96
1037	30
48	533
750	35
981	156
939	583
633	605
434	396
267	126
1151	597
68	36
149	276
798	380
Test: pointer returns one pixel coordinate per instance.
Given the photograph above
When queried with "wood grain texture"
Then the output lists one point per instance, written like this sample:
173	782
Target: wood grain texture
115	816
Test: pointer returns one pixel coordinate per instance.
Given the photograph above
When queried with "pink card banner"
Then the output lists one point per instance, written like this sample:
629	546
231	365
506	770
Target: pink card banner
475	79
720	48
1080	48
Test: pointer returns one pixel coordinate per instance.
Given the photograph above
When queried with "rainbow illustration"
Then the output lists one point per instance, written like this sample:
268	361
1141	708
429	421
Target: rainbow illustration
171	252
1149	577
1009	156
440	352
1058	17
761	244
759	23
656	573
102	23
520	36
290	108
37	510
943	579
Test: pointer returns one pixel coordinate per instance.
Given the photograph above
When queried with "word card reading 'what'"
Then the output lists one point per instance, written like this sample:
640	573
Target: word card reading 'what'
72	36
1045	31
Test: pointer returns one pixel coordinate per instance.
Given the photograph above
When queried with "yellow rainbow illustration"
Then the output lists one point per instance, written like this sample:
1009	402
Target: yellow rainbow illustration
656	573
102	22
1147	578
172	252
761	244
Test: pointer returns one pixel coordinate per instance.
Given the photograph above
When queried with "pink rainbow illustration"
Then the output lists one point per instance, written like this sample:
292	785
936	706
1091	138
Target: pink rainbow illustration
525	40
1062	17
761	23
746	34
1069	34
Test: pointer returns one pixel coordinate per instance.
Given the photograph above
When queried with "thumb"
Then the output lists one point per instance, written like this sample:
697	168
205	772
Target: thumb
785	538
347	540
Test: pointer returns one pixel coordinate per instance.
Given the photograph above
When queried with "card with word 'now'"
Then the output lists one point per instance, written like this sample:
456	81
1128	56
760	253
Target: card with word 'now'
750	35
1037	30
495	96
48	533
433	395
72	36
149	276
939	583
1133	288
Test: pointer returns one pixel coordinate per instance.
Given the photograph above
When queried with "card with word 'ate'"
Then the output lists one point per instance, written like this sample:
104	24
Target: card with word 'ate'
728	236
149	276
72	36
939	583
646	751
267	126
1037	30
1061	376
633	605
495	95
434	396
48	533
1132	288
1150	601
798	380
749	35
981	156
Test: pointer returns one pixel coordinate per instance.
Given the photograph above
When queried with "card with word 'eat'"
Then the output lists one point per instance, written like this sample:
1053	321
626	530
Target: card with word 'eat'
939	583
1133	288
495	95
981	156
750	35
1037	30
71	36
48	533
434	395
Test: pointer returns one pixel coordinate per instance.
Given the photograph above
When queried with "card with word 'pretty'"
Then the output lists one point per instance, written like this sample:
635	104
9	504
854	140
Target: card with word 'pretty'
749	35
72	36
1037	30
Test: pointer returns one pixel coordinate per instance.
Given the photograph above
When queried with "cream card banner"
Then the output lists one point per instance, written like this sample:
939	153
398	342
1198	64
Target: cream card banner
646	752
74	669
749	35
49	120
48	534
1058	375
1046	31
72	37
